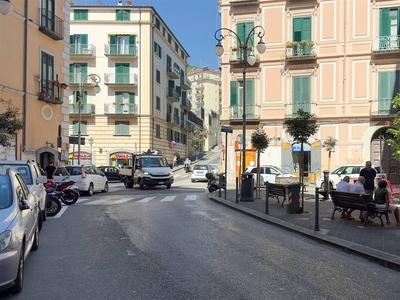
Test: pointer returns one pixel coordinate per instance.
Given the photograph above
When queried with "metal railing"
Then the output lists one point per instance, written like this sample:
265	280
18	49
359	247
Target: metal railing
82	49
121	78
252	112
301	51
386	43
51	25
86	109
120	108
120	49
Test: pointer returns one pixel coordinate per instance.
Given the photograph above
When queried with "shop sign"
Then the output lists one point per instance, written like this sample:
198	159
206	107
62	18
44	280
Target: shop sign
83	155
121	155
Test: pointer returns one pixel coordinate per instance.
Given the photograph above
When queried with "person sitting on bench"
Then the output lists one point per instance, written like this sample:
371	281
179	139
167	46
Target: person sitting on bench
344	186
381	200
357	188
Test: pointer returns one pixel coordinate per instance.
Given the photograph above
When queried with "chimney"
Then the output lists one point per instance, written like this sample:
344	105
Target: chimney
129	2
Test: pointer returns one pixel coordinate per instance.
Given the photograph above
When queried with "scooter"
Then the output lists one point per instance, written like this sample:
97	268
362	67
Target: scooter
71	191
53	202
213	183
187	168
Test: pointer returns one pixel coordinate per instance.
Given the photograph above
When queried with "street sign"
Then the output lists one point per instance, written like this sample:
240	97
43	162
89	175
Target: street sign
226	129
74	140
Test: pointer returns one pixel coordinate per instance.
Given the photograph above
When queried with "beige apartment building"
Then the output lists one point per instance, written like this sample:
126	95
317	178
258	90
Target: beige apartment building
338	59
206	97
34	77
141	68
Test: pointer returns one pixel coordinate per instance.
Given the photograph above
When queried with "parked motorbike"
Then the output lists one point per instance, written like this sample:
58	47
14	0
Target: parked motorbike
71	191
53	202
213	183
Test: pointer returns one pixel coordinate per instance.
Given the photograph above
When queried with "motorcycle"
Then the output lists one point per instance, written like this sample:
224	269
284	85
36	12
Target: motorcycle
187	168
53	202
213	183
71	191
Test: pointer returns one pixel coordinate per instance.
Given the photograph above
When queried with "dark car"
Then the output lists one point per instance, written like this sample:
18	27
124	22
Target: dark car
111	172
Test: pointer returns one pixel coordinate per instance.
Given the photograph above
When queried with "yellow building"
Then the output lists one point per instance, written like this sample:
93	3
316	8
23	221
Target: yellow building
34	76
335	59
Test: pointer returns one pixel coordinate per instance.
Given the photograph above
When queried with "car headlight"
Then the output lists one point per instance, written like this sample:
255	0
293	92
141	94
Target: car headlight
146	173
5	239
170	173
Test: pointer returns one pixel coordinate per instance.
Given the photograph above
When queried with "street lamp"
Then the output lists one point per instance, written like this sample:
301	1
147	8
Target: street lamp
5	7
381	138
96	79
250	59
91	144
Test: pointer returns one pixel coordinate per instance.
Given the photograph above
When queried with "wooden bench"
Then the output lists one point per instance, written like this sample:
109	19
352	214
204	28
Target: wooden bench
394	190
342	200
276	191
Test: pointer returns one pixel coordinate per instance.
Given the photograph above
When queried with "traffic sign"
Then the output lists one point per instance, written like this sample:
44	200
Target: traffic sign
75	140
226	129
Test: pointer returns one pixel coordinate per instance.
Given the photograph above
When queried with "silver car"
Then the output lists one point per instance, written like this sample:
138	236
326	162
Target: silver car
19	229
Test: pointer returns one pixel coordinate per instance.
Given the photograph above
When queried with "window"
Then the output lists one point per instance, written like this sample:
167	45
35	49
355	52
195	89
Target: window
169	38
123	44
122	73
122	15
157	50
237	97
158	76
125	103
158	131
243	29
184	141
47	73
163	31
301	96
79	44
158	103
302	31
176	48
78	73
158	24
80	14
210	120
76	97
121	127
388	87
75	129
389	28
169	134
50	24
177	136
182	55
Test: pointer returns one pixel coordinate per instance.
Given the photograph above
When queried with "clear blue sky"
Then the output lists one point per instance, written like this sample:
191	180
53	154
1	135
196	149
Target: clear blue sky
193	22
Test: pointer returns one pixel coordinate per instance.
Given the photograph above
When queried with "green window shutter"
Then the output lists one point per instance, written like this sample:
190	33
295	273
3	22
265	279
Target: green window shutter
125	128
240	31
126	15
84	72
118	99
72	73
84	15
301	94
250	86
234	93
84	128
297	27
384	22
306	30
132	98
75	128
296	94
383	87
305	90
77	14
121	73
84	97
71	44
84	41
132	44
249	27
113	44
118	15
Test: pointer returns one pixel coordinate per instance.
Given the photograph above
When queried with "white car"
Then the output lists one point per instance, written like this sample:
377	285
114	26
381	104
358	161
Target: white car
88	178
268	173
353	171
199	173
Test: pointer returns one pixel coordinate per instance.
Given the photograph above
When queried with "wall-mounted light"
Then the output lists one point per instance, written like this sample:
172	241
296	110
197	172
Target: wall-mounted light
5	7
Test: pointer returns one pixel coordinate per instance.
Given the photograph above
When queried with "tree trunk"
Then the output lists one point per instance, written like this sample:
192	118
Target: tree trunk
258	175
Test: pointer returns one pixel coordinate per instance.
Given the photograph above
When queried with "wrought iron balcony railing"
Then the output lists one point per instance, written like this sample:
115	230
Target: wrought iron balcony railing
120	50
86	109
252	112
121	79
119	108
306	51
51	25
383	44
86	50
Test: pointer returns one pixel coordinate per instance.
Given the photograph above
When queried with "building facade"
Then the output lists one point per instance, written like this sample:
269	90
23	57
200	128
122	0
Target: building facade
142	69
206	96
34	77
337	59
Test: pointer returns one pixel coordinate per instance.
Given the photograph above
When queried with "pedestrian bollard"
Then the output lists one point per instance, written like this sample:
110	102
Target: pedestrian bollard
326	184
316	227
220	185
266	197
237	188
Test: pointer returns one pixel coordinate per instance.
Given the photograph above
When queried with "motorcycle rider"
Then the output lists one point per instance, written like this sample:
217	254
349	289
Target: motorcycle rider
187	163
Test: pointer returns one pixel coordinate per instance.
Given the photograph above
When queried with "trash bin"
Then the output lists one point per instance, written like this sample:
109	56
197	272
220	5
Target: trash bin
293	197
246	194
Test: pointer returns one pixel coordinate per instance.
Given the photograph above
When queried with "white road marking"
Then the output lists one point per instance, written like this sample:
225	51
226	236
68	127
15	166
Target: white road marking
122	200
168	198
82	200
63	209
191	197
96	202
147	199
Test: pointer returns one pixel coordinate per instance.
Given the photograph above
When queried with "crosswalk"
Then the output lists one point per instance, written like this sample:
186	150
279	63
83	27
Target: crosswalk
138	199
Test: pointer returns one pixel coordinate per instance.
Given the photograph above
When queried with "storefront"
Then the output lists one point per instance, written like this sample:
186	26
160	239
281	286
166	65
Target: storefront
86	158
120	159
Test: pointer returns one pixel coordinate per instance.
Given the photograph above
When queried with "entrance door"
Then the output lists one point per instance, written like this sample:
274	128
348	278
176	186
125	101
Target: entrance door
46	158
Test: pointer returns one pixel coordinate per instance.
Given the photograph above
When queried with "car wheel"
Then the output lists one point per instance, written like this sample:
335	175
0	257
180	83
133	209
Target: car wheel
44	214
19	281
128	183
141	186
105	188
40	221
168	186
90	190
192	180
35	244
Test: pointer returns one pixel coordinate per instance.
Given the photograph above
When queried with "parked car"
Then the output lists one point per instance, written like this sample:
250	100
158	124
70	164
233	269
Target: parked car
199	173
61	174
88	178
111	172
19	228
353	171
215	168
268	173
30	172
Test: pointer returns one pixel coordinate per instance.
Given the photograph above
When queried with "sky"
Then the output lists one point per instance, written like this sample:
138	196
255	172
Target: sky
193	22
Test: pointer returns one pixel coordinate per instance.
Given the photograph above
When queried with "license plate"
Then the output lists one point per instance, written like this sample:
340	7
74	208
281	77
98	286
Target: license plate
199	172
161	182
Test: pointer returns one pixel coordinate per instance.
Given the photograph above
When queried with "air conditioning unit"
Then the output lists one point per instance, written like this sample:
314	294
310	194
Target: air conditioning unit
87	51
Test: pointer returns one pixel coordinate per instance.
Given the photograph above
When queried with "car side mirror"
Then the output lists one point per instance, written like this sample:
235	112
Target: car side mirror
25	205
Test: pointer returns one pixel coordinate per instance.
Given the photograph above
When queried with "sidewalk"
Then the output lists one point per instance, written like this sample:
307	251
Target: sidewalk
378	243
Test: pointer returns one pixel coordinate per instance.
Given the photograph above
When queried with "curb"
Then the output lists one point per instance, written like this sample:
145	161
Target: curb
379	257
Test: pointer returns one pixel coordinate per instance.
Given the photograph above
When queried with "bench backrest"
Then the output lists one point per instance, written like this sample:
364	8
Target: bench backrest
276	188
351	200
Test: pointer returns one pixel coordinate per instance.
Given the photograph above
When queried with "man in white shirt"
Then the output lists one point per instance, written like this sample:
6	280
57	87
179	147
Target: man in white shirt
357	188
344	185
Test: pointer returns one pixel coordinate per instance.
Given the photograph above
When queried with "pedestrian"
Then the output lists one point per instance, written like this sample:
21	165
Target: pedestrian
357	188
369	174
344	185
50	170
381	200
175	160
187	164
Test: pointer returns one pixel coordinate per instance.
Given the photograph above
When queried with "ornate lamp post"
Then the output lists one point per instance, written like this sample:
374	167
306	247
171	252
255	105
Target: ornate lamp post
245	59
91	153
95	79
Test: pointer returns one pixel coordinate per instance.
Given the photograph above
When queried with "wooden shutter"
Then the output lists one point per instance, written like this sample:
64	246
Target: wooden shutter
84	41
84	128
296	94
249	27
75	128
384	22
71	73
118	15
132	44
240	31
250	85
71	45
113	44
306	29
126	15
84	15
297	26
234	93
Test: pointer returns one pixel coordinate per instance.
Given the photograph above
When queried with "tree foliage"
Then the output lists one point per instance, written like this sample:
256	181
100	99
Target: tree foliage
260	141
329	145
191	68
10	123
394	134
198	138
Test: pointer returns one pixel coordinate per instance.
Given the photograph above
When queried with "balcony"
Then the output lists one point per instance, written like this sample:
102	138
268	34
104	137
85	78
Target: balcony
199	87
51	25
173	71
252	113
291	110
187	125
75	79
243	2
82	50
176	120
120	51
386	44
118	108
236	55
186	104
300	52
86	109
49	96
383	109
172	94
186	84
121	79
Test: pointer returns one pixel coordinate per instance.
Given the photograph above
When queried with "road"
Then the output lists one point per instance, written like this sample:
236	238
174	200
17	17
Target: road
177	244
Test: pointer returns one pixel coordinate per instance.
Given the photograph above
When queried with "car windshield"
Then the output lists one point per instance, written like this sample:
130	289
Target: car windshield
338	170
200	167
147	162
5	192
283	171
24	170
61	171
74	170
378	169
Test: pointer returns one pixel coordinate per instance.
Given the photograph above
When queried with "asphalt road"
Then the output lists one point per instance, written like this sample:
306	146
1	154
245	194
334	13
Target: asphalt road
177	244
